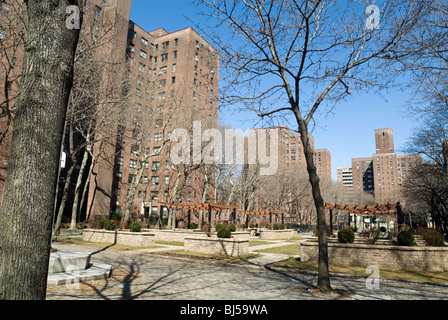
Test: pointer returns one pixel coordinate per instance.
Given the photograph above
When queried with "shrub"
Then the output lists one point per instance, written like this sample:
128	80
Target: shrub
116	215
223	231
243	226
219	226
275	226
193	226
135	226
108	224
406	238
433	238
251	226
232	228
346	235
151	220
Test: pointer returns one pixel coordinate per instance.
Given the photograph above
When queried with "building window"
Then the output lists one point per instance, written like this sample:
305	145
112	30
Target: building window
120	161
157	150
133	164
130	178
155	166
119	176
155	181
162	70
144	42
143	54
98	10
158	137
167	180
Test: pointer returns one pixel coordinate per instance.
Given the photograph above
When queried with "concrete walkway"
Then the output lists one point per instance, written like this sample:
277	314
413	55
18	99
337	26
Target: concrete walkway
137	275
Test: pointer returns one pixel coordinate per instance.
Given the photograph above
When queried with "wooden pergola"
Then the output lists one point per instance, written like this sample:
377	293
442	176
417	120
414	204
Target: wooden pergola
389	209
209	207
371	210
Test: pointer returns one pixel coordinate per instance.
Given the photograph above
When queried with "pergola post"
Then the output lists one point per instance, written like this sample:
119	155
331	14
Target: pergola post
188	218
209	214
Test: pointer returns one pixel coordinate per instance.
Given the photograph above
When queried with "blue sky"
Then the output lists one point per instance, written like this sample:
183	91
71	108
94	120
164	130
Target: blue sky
347	133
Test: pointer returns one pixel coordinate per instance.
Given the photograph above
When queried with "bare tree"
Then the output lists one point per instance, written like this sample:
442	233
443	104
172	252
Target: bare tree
290	57
11	49
29	197
94	108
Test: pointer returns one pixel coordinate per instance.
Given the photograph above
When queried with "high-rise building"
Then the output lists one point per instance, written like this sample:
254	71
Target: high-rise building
345	176
362	173
157	81
172	81
322	161
385	173
291	161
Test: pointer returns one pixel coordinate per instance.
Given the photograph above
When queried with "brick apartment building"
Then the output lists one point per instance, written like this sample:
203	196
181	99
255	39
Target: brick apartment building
172	80
167	80
384	174
291	160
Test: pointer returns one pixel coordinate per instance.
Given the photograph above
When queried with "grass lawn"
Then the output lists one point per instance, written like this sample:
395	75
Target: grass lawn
439	277
208	256
99	245
170	243
254	243
292	249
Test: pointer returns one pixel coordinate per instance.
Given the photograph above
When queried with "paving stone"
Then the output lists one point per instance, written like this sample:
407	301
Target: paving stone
137	275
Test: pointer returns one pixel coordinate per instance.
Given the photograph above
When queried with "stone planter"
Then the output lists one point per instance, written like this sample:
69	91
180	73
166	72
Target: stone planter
180	235
171	235
383	256
137	239
277	234
214	245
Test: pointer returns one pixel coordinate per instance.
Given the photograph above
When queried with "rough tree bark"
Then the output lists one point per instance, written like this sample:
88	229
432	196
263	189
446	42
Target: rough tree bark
29	196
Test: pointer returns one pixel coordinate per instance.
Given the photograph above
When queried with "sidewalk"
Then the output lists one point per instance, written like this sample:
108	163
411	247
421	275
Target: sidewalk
137	275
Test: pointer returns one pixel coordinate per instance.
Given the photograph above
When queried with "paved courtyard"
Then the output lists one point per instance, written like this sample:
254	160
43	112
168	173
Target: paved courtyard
138	275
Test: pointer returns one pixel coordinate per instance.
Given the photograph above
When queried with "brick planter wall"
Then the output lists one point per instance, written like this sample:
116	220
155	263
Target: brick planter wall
180	235
214	245
382	256
137	239
277	234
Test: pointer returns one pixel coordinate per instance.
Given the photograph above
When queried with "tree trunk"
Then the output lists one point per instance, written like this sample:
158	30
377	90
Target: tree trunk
323	279
29	196
130	199
65	196
78	190
86	185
